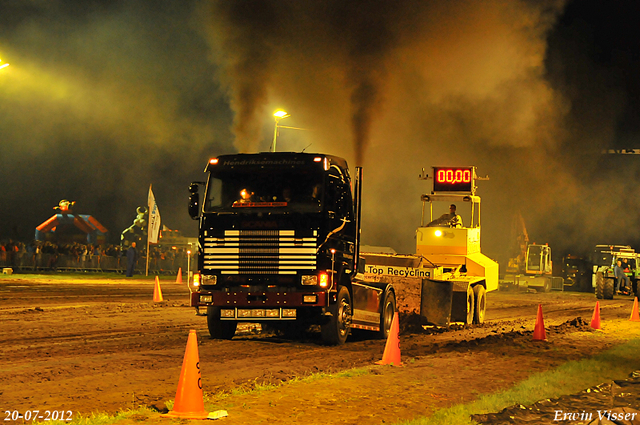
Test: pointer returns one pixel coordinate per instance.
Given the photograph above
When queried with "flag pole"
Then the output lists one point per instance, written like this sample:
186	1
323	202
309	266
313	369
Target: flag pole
148	229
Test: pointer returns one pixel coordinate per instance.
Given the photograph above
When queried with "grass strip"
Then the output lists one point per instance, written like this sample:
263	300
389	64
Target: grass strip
570	378
212	402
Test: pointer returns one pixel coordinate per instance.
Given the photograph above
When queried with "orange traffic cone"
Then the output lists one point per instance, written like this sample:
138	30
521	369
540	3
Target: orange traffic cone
539	334
157	293
189	403
391	353
595	319
179	278
634	312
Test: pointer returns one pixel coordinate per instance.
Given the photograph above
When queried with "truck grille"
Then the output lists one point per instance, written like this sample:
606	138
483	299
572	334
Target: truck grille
260	252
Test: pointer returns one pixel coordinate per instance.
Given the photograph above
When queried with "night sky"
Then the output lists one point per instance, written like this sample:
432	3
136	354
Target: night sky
103	98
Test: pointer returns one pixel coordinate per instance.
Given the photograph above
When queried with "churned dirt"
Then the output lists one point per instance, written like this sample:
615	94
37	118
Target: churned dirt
102	345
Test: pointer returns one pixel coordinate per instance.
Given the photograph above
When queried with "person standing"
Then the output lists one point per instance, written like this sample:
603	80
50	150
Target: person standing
132	258
618	270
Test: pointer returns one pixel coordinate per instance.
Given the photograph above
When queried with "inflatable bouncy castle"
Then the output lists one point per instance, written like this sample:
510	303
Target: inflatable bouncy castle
67	226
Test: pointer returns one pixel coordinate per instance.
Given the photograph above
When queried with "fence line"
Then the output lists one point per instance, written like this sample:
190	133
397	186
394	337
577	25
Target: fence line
96	263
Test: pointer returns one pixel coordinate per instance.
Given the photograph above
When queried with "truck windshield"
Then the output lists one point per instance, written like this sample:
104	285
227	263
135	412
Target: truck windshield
238	191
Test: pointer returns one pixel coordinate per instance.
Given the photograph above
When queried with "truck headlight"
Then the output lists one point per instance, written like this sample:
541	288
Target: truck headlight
321	279
209	279
309	280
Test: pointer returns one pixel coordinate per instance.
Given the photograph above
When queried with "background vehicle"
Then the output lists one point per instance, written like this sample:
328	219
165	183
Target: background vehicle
604	259
279	238
531	265
577	272
536	272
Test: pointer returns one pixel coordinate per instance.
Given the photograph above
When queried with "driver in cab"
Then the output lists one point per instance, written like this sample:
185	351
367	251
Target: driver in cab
448	220
245	196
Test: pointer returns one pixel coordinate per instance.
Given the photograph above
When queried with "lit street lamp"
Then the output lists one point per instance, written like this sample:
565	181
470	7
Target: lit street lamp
3	65
279	115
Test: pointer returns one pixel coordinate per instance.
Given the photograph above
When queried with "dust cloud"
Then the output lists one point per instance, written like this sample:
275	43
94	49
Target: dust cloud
104	98
396	87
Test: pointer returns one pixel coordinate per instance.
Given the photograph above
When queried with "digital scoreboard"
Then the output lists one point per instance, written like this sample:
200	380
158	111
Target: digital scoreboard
453	179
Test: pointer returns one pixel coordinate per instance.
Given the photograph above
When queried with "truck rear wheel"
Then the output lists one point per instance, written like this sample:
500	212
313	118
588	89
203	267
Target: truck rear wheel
480	295
336	330
219	329
462	306
386	314
599	286
471	302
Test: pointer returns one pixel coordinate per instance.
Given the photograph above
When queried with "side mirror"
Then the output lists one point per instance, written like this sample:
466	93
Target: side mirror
194	201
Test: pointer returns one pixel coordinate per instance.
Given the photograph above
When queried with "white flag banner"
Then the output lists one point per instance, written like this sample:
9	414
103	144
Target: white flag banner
154	218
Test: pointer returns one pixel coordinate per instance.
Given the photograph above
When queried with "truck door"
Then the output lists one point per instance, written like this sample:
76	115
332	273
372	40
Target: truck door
339	207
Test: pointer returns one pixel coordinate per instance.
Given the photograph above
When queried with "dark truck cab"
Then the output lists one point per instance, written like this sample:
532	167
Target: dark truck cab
278	243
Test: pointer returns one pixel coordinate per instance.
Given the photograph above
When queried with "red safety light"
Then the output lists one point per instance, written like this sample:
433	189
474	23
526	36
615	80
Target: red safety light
213	161
323	279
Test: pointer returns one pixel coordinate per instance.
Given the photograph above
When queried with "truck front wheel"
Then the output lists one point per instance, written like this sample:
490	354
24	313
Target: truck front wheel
336	330
219	329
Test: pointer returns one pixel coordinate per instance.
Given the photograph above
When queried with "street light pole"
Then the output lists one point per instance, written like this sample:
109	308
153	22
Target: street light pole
279	115
189	265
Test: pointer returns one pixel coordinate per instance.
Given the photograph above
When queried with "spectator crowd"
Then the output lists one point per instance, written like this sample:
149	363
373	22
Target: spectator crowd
38	255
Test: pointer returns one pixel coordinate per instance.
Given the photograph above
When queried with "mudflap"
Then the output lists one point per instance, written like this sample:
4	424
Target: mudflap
435	303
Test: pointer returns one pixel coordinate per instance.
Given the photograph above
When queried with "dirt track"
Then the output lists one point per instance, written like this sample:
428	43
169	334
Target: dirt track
102	345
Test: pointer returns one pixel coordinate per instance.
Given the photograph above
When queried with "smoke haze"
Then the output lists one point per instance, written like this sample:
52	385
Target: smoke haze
103	99
400	86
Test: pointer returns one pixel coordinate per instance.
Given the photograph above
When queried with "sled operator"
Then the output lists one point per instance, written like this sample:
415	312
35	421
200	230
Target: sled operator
448	220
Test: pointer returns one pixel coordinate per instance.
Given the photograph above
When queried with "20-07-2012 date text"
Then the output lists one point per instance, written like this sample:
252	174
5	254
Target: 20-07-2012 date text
41	415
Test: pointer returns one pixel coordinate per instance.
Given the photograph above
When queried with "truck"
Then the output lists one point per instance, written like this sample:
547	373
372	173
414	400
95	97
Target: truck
577	273
604	259
452	272
279	245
